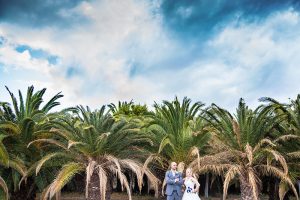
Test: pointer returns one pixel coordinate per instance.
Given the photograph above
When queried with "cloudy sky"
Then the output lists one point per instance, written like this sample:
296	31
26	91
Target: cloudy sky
102	51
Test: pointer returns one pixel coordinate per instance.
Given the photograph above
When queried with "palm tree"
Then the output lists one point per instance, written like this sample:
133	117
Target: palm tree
4	155
121	109
178	133
242	149
94	143
290	128
130	111
22	122
4	160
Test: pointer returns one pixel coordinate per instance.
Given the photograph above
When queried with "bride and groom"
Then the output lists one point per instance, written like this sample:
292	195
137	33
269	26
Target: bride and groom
174	182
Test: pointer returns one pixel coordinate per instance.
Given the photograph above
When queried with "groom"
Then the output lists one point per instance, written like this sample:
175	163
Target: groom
174	182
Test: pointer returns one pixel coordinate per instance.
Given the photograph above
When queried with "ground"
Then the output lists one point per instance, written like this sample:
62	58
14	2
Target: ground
122	196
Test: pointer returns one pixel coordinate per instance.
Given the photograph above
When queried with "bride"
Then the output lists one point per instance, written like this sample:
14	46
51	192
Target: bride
191	186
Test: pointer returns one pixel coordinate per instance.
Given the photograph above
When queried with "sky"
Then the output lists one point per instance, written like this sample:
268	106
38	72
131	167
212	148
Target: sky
101	51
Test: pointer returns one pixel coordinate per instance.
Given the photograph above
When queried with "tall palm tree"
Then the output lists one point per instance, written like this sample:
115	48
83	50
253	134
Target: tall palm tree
24	121
178	134
94	143
242	149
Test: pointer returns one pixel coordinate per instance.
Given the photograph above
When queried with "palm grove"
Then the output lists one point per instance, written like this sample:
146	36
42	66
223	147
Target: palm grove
128	147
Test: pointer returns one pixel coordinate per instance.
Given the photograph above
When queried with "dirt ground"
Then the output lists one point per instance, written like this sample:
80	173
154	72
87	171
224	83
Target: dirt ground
122	196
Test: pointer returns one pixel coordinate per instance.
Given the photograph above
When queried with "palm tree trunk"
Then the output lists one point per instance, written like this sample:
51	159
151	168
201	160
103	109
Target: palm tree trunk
246	192
246	189
94	188
206	185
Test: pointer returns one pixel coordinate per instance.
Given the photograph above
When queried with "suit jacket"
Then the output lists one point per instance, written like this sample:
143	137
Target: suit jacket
171	185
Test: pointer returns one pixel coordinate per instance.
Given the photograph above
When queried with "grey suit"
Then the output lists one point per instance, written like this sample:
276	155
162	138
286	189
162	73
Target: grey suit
173	190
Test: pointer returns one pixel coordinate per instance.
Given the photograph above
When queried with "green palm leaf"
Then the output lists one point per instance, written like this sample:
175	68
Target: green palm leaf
63	177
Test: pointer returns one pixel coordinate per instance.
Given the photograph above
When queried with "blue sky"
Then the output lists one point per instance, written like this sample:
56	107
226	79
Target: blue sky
97	52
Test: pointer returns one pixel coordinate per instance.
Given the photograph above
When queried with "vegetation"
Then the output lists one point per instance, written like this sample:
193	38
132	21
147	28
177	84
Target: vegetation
20	123
244	149
177	133
92	142
41	151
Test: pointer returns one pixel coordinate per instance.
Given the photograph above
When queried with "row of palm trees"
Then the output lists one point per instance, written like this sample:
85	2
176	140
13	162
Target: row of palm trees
42	151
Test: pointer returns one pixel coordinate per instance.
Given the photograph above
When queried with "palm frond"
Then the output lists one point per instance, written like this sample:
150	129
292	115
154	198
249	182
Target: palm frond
283	189
45	159
4	157
49	141
253	182
278	157
285	138
13	128
249	153
274	171
4	187
165	141
64	176
232	172
262	142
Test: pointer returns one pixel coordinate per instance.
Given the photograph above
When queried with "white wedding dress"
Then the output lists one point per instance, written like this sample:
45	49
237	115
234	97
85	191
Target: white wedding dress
188	193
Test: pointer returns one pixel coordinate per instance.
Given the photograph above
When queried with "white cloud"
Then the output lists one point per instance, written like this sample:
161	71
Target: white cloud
103	48
11	58
118	35
251	61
